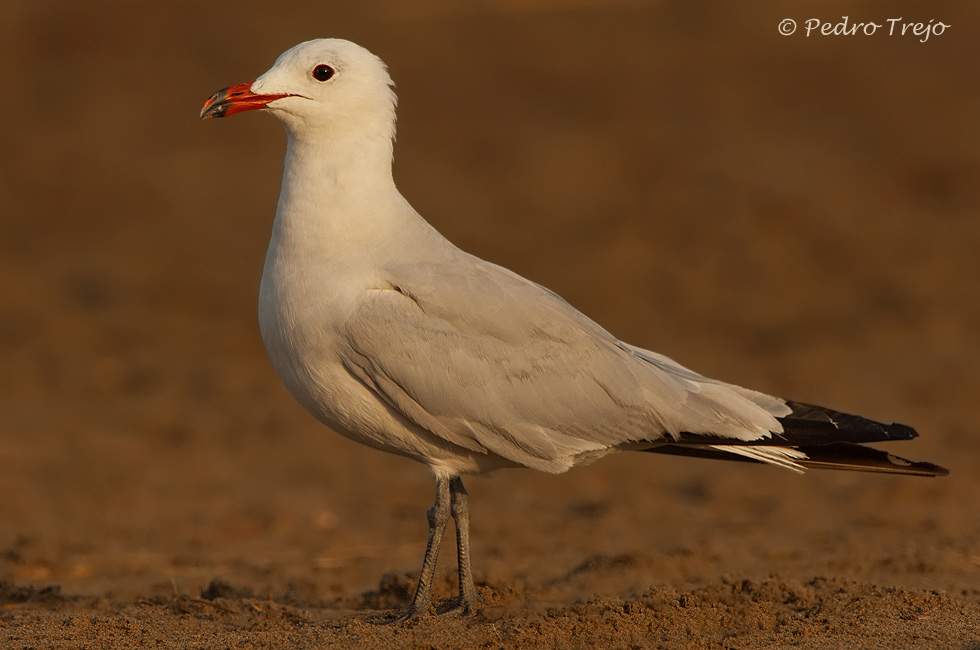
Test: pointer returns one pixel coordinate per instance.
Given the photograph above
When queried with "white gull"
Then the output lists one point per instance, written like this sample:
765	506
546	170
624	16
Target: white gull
394	337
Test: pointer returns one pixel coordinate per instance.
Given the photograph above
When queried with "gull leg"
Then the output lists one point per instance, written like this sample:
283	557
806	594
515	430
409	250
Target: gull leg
461	515
438	519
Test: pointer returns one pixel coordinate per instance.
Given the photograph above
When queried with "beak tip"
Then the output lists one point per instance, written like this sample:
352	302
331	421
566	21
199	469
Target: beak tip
235	99
215	105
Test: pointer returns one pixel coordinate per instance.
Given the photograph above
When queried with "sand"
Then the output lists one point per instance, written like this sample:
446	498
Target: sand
794	214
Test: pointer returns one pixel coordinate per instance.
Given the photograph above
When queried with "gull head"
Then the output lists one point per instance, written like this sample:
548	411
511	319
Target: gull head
327	88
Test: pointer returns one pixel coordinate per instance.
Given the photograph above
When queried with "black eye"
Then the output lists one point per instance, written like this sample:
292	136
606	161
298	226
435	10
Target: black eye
322	72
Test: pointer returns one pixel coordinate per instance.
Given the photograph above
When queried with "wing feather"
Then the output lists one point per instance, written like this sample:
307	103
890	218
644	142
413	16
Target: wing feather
493	363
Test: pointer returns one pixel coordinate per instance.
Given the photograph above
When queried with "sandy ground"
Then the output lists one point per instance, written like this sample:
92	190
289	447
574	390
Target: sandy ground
794	214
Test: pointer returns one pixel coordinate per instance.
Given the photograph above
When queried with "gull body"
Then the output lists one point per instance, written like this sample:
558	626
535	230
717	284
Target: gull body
394	337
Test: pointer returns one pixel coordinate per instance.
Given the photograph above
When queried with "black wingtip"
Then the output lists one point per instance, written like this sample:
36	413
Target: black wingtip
866	459
809	424
839	456
830	439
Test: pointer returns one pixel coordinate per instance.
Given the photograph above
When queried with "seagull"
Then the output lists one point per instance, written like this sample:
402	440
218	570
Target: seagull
393	337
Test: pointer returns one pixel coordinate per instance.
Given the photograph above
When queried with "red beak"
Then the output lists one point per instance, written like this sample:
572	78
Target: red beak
235	100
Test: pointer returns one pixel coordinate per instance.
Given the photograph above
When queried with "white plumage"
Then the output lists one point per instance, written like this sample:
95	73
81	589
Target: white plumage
392	336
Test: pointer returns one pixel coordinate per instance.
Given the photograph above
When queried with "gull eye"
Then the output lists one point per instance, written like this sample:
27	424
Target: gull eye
322	72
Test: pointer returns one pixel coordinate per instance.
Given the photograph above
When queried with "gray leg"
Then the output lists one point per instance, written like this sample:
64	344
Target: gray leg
461	515
438	518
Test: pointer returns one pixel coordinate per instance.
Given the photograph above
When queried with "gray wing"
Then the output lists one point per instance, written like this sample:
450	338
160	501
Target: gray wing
491	362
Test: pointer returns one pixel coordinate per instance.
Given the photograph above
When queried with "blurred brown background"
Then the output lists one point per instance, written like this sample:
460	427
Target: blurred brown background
798	215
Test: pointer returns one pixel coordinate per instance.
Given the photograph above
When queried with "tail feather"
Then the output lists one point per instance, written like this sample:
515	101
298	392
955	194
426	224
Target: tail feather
786	457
